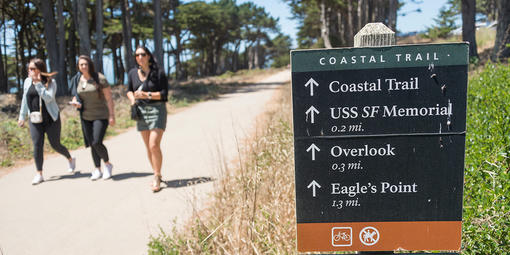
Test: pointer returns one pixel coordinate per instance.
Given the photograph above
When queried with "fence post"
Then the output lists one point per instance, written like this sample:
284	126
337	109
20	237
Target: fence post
374	34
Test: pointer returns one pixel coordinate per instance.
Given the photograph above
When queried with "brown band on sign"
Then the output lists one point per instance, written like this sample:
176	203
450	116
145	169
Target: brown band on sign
379	236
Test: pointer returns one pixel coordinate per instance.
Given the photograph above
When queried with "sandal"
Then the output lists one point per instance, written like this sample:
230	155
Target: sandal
156	183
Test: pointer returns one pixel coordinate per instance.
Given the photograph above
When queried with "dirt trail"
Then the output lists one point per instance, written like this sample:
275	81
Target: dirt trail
69	214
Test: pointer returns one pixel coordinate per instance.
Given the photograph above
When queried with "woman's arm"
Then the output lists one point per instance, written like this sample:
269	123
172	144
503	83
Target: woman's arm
131	97
130	88
47	93
109	101
24	105
156	95
145	95
75	102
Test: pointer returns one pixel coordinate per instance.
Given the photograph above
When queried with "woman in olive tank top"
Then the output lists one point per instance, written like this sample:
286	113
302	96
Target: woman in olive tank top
93	98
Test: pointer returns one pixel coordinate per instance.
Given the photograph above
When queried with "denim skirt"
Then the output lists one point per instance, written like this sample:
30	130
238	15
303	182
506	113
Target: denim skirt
153	116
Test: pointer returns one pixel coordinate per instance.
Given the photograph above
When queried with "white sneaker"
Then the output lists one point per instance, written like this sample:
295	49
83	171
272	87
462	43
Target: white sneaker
95	175
72	165
107	171
37	179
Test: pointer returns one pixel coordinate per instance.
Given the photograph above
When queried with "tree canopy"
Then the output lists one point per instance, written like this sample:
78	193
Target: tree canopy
199	38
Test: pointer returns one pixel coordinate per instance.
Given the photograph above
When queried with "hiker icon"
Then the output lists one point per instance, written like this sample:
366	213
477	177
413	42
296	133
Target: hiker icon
369	236
341	236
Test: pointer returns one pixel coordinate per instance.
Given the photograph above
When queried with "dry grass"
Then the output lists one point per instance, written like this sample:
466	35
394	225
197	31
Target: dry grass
484	39
252	209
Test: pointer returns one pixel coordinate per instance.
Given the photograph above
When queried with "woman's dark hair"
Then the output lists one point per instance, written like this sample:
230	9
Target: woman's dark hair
41	65
90	63
92	71
153	65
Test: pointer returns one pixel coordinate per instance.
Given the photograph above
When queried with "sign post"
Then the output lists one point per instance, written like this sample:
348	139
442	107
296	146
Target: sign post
379	139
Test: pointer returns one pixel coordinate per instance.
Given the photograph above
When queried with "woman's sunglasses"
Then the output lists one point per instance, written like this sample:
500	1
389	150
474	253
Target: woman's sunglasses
141	54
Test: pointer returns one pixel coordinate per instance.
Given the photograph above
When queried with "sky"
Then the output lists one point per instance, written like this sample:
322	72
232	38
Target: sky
409	23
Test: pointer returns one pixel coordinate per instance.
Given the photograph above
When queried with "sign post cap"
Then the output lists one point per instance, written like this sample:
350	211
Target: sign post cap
374	34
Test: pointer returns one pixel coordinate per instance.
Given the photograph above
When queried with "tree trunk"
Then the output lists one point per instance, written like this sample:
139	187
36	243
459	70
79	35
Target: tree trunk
98	57
5	47
365	14
325	25
501	49
468	25
62	72
3	76
341	28
256	60
349	27
235	57
360	13
3	70
115	66
72	40
249	57
158	32
50	31
127	35
392	14
179	72
261	56
382	11
30	45
83	27
120	67
178	48
218	68
18	64
210	61
168	50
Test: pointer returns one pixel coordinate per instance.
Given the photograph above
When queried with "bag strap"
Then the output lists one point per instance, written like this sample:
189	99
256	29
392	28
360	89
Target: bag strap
143	84
40	104
140	89
40	100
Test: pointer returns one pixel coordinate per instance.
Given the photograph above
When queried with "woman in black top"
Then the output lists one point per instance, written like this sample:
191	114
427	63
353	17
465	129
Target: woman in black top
148	88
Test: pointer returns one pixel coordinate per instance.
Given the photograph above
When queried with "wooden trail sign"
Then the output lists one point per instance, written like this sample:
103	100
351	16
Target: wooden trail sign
379	141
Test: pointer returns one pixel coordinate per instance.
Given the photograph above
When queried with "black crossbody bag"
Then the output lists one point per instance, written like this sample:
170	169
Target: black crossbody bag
136	114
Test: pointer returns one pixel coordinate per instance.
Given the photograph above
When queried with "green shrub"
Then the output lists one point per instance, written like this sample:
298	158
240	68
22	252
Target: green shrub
15	141
487	187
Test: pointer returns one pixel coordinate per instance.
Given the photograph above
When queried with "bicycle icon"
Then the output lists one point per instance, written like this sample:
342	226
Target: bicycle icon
341	236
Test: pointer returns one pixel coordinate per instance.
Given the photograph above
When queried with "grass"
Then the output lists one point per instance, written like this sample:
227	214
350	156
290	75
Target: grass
252	209
487	188
485	38
186	93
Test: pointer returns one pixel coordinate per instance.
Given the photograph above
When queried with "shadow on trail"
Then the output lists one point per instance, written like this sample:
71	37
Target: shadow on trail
123	176
186	182
196	92
75	175
115	177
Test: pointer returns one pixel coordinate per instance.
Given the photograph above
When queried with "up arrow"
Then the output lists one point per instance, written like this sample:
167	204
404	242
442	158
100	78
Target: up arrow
311	83
312	110
313	148
313	185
